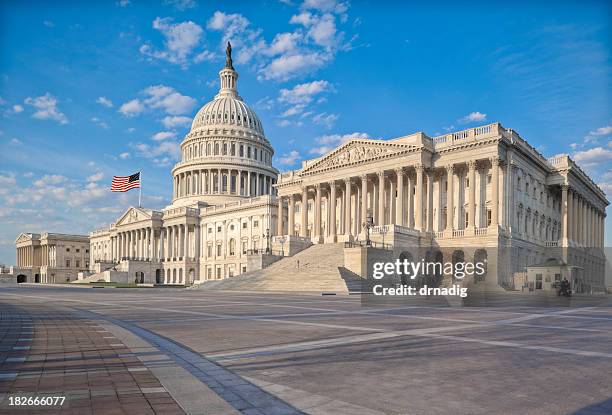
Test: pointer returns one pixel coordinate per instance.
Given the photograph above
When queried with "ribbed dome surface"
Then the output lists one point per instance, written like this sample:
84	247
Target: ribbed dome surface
225	111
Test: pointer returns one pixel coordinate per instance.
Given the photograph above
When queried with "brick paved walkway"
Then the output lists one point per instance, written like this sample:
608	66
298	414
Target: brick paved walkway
46	352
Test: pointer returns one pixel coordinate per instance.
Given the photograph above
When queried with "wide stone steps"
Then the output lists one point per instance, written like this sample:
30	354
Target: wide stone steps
317	268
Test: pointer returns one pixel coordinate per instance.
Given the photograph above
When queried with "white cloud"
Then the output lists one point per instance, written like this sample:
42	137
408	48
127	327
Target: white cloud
176	121
326	6
99	122
168	99
284	42
159	97
246	42
48	23
124	156
286	67
50	179
7	180
602	131
105	102
123	3
17	108
46	108
131	108
96	177
304	93
181	4
325	119
180	41
329	142
163	135
15	141
162	154
473	117
290	158
593	156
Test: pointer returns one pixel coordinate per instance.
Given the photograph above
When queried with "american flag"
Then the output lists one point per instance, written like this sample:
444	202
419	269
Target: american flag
125	183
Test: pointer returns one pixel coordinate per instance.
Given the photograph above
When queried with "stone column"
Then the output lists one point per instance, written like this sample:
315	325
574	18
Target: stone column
472	195
151	254
399	202
495	192
450	180
564	214
430	208
570	216
347	207
364	197
249	183
332	211
317	213
419	197
291	219
381	198
304	213
279	217
186	250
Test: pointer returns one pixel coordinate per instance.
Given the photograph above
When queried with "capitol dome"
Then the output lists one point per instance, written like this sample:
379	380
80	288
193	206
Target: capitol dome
225	155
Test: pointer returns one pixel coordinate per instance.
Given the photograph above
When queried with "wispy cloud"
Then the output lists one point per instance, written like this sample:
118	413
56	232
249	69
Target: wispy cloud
160	97
46	108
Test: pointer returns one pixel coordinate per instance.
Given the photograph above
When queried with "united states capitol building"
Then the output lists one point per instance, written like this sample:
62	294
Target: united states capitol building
479	194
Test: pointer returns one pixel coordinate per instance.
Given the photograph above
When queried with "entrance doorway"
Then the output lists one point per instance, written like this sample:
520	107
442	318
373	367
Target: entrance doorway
21	279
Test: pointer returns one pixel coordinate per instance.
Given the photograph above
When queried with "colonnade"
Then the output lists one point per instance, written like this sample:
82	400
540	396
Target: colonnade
382	194
25	256
582	222
223	181
171	242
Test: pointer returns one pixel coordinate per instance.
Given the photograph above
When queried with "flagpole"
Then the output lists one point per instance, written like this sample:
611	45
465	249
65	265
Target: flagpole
140	189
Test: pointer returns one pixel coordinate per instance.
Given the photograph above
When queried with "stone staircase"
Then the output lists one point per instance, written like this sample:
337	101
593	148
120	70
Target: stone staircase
319	268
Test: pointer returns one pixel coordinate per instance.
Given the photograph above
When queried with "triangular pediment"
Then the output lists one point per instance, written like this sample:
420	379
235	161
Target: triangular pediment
23	237
357	152
133	215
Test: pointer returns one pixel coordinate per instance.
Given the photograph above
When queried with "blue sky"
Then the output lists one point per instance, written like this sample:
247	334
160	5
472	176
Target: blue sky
92	90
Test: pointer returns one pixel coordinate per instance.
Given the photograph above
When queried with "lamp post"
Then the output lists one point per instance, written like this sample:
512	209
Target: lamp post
267	236
282	242
367	225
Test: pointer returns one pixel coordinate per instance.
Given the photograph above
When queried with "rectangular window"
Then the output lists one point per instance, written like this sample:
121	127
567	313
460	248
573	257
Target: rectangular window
538	283
255	224
78	263
219	273
466	219
244	225
209	251
67	263
489	218
244	247
219	250
78	250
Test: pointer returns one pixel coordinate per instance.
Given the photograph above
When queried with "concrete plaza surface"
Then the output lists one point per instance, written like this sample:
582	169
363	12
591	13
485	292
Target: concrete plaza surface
164	351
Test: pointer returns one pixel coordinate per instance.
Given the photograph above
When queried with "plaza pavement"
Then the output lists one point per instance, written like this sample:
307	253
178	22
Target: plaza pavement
165	351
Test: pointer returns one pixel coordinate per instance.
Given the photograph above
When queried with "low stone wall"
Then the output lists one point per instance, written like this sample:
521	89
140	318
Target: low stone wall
360	260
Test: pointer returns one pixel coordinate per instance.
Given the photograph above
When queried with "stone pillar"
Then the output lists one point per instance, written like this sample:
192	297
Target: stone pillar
495	192
304	213
279	217
249	183
381	198
332	211
564	214
151	254
317	213
347	207
450	181
364	197
570	216
291	219
430	202
419	197
472	195
399	202
186	250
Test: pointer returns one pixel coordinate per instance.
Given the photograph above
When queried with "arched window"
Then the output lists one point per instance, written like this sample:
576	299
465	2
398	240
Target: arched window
216	149
224	149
